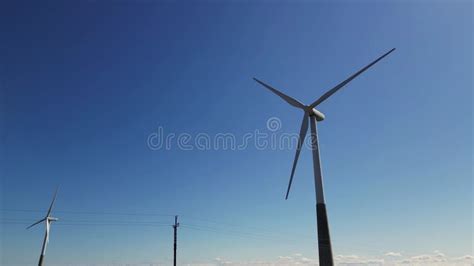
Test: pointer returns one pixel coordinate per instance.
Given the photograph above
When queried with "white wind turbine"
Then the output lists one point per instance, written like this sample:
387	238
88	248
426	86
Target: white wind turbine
314	116
48	219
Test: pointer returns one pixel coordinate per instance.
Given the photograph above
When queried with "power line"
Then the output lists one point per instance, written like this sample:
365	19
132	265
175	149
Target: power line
91	213
222	227
247	227
69	221
194	227
242	234
91	223
150	214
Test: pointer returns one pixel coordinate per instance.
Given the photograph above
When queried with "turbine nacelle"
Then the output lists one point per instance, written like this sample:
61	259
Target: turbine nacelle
313	112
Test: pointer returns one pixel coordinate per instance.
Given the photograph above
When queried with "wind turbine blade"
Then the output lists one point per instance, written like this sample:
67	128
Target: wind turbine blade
342	84
52	202
285	97
36	223
303	131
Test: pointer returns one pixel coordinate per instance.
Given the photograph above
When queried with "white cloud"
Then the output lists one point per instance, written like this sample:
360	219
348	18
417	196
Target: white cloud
393	254
220	261
357	260
435	258
466	258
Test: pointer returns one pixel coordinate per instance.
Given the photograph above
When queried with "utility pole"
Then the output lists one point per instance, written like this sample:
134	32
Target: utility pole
175	227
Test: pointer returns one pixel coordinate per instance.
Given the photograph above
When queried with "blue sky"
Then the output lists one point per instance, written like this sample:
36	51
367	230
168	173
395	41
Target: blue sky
85	84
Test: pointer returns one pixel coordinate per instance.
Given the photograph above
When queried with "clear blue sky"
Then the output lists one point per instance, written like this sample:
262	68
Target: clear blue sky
84	84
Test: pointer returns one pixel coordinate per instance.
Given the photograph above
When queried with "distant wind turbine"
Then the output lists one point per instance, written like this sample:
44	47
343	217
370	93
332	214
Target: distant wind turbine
314	116
48	219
